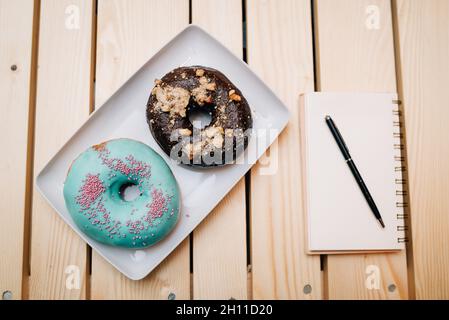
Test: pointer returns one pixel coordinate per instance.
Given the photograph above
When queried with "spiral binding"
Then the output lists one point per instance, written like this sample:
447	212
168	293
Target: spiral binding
400	168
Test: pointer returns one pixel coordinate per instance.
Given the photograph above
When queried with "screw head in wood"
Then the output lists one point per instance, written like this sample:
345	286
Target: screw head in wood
392	287
7	295
171	296
307	289
14	67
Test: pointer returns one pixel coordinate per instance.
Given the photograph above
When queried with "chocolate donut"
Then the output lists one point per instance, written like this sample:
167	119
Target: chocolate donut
187	90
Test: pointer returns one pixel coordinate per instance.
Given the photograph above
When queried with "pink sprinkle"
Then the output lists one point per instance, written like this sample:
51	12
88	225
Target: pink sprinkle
134	167
157	206
91	189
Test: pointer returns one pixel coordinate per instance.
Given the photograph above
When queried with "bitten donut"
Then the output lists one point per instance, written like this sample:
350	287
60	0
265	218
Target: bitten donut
94	193
187	90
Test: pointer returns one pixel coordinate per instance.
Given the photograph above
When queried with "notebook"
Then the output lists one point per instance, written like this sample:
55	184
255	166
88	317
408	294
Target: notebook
338	216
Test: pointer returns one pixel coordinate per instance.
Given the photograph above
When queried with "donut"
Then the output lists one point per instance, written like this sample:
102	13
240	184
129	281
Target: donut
94	194
186	90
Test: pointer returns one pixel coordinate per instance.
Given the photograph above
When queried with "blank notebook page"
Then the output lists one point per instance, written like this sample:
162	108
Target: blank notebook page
339	218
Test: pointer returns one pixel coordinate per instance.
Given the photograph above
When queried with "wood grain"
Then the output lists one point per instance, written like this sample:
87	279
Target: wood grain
16	35
280	50
350	57
354	55
62	105
219	242
423	41
128	34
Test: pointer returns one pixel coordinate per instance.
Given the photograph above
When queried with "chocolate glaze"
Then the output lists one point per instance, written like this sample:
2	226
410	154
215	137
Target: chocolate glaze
234	115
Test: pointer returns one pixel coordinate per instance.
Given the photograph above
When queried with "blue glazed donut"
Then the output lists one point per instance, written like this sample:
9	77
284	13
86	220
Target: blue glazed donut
94	194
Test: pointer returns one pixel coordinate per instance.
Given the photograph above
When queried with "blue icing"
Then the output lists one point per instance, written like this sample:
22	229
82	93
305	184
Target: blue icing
93	193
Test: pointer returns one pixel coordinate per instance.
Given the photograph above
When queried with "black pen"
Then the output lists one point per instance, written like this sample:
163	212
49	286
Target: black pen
345	151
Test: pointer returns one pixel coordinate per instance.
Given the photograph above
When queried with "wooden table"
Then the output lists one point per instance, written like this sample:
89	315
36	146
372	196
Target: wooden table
59	59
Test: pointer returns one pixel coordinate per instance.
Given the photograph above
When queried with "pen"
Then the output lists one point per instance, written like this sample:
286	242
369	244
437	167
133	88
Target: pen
345	151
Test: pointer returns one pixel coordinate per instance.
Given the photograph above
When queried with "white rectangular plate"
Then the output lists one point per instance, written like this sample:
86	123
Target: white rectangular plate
123	116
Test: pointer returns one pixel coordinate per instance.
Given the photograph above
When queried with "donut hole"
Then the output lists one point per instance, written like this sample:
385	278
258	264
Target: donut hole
199	116
129	191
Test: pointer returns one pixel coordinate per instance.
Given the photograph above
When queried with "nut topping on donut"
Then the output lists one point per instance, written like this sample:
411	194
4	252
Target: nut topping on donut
217	141
234	96
172	99
212	138
213	131
184	132
199	72
100	146
211	86
229	132
200	93
187	149
193	149
197	147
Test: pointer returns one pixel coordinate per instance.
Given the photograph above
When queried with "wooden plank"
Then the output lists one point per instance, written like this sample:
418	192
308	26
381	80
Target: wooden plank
219	242
355	53
16	35
58	255
423	39
128	34
280	50
172	276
